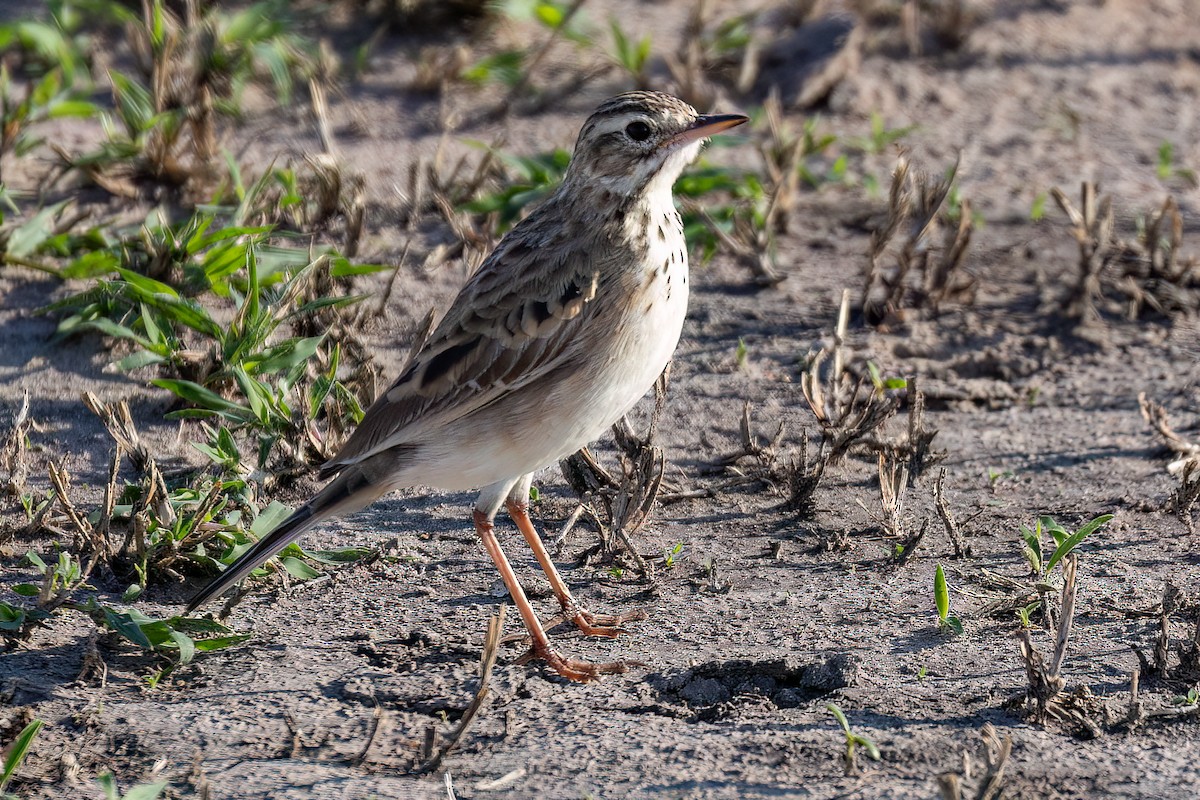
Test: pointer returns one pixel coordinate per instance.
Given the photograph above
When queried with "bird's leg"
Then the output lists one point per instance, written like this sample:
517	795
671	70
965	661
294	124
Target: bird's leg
591	624
572	668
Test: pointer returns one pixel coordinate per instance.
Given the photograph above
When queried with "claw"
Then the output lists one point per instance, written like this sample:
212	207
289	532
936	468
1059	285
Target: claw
575	669
606	625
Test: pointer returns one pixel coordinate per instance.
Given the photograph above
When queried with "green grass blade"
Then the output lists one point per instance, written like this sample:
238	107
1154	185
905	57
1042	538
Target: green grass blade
1072	541
832	708
198	395
17	752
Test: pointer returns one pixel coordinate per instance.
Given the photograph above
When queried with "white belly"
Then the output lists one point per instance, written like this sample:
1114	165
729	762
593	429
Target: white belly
540	430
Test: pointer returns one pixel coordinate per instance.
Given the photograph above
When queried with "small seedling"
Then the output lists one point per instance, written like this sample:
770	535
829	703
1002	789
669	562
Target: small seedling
741	353
1064	542
853	741
1025	613
881	136
631	56
145	791
51	97
1167	169
994	476
1037	211
671	554
16	754
947	623
906	268
881	383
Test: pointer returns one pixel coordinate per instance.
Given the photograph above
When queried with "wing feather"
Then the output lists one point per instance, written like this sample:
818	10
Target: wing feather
512	322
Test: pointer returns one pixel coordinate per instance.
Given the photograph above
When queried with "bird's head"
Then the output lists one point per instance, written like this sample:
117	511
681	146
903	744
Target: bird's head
638	142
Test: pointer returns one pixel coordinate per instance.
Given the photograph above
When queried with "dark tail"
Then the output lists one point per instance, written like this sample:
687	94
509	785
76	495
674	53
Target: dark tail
349	492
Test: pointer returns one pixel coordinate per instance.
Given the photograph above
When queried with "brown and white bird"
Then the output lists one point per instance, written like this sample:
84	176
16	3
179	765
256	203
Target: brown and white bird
559	333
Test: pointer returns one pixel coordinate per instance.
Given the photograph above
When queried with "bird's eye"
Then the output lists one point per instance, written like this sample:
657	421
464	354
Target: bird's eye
638	131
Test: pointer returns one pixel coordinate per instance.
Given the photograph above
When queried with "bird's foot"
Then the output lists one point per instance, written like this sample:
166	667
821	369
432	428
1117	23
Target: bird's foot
575	669
606	625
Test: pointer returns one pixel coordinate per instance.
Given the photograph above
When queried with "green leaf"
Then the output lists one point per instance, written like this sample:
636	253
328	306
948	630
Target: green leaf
284	356
138	360
340	555
298	569
11	617
269	518
839	716
549	14
344	268
17	752
941	595
1038	210
146	791
26	589
197	625
220	642
32	234
123	624
187	648
1072	541
872	749
198	395
502	67
117	330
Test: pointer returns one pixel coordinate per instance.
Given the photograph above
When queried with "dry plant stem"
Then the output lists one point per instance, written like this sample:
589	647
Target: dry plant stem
1156	417
118	421
943	510
920	438
491	651
567	527
1170	603
1066	616
996	754
893	478
381	308
1184	498
1093	225
908	547
915	203
629	499
1136	713
1046	682
995	757
86	533
1187	466
60	481
839	336
1042	687
14	453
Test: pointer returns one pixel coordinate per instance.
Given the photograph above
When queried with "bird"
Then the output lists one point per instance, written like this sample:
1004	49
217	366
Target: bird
559	332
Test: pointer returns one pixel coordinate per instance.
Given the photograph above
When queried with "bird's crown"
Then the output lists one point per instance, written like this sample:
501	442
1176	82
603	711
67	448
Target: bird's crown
638	140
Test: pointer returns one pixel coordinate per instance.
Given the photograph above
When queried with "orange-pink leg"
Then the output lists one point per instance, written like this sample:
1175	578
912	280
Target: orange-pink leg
591	624
572	668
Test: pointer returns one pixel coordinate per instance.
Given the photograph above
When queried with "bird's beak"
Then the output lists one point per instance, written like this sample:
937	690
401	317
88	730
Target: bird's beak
707	125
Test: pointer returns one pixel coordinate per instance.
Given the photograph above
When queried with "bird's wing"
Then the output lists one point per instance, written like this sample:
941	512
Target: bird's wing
517	318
